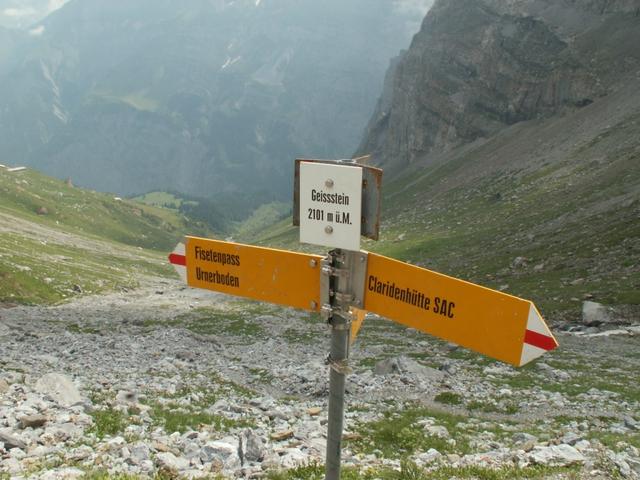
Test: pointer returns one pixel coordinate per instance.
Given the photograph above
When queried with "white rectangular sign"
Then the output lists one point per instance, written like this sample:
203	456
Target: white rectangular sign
330	205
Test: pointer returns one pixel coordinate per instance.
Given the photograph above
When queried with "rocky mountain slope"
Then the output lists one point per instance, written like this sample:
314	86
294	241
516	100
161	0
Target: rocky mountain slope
184	383
509	133
476	67
202	97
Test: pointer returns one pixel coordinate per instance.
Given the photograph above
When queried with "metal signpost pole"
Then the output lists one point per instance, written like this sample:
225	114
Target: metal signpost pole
346	272
340	326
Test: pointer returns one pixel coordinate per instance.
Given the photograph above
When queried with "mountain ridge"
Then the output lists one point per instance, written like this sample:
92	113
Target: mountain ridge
467	79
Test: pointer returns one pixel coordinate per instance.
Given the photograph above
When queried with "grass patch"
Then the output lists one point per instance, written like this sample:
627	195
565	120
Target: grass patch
235	321
612	440
174	417
296	336
189	408
398	434
105	475
84	239
82	329
448	398
488	407
263	375
410	471
108	422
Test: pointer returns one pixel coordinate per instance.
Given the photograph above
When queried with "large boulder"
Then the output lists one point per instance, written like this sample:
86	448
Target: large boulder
595	314
409	367
60	388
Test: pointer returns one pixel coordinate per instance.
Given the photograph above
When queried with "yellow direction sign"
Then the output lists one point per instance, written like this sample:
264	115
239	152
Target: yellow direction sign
267	274
493	323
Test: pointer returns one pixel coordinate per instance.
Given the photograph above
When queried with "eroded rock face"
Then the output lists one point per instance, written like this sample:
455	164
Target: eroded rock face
477	66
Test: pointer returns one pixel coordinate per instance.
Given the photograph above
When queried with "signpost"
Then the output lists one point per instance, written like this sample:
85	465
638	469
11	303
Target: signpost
334	204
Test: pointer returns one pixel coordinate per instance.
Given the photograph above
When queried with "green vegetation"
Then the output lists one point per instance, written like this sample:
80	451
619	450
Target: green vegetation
108	422
237	319
400	433
30	195
59	240
263	375
32	271
75	328
614	440
174	418
448	398
137	100
490	407
262	218
188	408
105	475
410	471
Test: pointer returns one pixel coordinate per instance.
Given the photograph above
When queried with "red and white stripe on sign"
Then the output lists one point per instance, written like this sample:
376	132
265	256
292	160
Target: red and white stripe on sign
179	261
538	339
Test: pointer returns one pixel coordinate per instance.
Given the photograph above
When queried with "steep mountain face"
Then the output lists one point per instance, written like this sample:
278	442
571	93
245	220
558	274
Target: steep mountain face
477	66
510	137
203	96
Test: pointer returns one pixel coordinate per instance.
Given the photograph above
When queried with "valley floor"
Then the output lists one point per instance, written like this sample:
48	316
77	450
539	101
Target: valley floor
174	382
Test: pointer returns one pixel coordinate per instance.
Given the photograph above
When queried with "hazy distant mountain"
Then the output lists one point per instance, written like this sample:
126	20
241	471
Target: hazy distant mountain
24	13
200	96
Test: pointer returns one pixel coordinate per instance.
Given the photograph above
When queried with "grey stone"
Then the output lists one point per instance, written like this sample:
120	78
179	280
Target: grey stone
168	461
631	423
10	442
127	397
449	368
139	453
519	262
11	465
556	456
437	431
523	437
408	366
251	447
192	450
571	438
67	473
60	388
32	421
222	452
4	386
293	458
217	450
427	457
620	461
594	314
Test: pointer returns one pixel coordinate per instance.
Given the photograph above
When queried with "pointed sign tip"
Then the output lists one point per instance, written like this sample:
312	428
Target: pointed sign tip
178	259
538	339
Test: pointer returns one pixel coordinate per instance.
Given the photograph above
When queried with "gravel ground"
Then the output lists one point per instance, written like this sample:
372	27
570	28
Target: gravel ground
166	378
